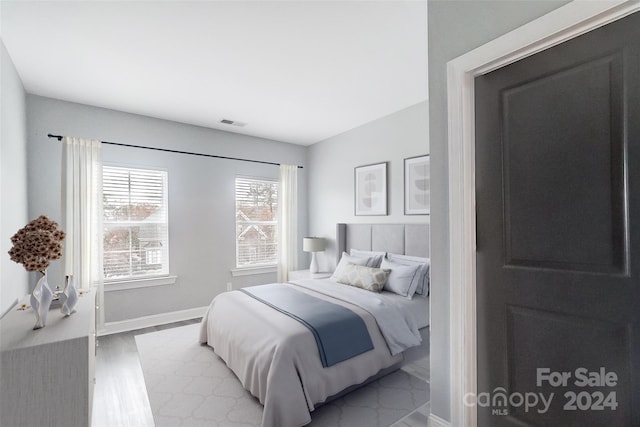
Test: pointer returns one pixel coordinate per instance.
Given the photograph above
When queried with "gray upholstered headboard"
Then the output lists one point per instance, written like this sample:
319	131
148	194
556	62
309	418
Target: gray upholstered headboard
405	239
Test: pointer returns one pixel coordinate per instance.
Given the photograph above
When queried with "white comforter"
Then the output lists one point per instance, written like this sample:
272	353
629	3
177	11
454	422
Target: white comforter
398	327
276	357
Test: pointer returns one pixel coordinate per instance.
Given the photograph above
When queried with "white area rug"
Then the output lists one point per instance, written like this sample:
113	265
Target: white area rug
189	385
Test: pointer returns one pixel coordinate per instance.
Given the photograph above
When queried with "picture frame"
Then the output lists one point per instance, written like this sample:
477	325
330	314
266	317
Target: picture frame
370	189
417	188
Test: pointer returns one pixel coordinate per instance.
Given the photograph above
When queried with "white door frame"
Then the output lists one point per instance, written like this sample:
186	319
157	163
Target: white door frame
562	24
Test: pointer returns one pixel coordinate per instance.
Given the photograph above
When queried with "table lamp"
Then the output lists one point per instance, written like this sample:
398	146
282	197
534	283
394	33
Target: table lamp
313	245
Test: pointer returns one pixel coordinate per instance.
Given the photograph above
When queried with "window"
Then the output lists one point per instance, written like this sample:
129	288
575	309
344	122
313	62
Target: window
256	222
136	236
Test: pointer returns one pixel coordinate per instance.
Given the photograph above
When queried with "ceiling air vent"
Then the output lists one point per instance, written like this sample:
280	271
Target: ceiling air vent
232	122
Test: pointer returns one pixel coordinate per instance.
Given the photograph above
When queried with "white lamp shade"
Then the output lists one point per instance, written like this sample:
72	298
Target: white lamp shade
313	244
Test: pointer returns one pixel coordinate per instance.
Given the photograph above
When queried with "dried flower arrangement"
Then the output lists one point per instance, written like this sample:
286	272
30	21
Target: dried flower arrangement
36	244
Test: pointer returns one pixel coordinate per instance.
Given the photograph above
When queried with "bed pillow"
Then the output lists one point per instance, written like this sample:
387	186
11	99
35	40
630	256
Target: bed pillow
360	276
375	257
346	259
401	279
423	277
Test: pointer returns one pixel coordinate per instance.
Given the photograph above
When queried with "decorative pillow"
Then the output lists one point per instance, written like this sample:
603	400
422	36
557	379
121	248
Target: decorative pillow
346	259
375	257
401	280
360	276
423	277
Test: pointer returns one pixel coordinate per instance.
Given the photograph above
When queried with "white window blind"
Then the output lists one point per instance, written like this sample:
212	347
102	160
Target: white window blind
136	234
256	222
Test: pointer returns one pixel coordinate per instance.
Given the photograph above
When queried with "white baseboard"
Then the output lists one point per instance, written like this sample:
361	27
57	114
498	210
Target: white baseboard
436	421
153	320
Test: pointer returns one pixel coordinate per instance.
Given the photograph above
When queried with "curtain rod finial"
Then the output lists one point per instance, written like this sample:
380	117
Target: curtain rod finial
58	137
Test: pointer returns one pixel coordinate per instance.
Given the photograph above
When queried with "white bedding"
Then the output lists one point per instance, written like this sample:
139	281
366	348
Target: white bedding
398	325
417	307
276	358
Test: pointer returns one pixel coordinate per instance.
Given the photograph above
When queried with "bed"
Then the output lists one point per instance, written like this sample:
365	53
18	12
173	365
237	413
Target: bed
280	358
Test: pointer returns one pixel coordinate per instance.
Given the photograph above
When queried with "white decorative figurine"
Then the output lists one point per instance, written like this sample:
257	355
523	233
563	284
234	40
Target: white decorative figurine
69	297
41	298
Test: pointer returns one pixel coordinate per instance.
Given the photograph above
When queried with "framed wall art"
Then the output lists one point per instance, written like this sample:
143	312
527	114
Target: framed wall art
416	186
371	189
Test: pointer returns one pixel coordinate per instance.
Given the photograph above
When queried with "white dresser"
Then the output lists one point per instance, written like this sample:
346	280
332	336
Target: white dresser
47	375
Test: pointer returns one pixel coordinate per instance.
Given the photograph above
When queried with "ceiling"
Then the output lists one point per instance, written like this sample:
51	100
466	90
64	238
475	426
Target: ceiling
293	71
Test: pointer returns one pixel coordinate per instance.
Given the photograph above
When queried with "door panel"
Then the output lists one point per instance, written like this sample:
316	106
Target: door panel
591	341
536	158
558	222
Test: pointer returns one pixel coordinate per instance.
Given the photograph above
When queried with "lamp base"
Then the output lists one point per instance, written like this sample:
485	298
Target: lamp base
313	268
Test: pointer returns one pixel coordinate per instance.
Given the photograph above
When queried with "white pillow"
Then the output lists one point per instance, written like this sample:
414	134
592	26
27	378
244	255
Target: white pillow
348	259
375	257
423	277
360	276
401	280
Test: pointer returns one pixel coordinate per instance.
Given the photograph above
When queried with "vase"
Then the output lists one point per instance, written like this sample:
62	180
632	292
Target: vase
41	298
69	297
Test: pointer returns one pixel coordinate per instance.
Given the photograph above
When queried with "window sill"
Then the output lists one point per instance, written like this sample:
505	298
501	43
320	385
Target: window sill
139	283
235	272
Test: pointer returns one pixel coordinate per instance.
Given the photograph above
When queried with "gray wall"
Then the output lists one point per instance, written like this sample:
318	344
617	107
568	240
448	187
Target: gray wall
331	181
455	27
14	280
201	194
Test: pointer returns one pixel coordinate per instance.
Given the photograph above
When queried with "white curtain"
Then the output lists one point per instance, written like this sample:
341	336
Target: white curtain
287	221
82	215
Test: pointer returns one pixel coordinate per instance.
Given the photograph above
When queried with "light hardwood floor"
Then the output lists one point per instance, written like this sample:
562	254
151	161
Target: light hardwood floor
120	396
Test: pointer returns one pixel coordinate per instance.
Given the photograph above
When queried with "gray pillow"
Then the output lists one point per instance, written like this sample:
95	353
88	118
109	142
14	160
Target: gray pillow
401	280
375	258
346	259
423	277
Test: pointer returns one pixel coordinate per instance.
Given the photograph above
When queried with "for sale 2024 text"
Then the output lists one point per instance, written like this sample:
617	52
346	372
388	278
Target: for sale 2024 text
583	400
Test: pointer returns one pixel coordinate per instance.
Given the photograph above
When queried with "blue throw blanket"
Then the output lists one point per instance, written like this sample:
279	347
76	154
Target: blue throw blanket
339	332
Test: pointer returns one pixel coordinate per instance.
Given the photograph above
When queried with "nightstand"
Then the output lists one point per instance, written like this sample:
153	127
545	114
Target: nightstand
305	274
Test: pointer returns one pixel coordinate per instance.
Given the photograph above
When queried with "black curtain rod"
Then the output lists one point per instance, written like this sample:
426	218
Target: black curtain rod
59	138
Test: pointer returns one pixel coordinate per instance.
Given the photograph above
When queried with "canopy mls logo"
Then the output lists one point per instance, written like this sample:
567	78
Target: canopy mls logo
597	400
499	401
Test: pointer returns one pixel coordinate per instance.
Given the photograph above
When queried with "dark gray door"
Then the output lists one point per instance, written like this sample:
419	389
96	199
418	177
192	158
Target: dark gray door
558	245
